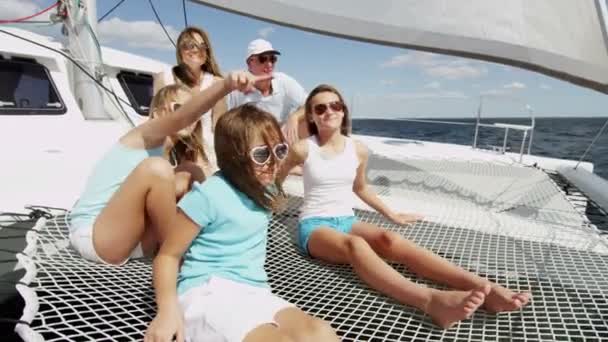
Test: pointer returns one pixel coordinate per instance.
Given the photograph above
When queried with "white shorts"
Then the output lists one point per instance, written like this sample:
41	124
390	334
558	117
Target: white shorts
223	310
81	238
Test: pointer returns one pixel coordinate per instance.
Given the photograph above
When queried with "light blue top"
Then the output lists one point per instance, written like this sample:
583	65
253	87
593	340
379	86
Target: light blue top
107	176
232	239
286	97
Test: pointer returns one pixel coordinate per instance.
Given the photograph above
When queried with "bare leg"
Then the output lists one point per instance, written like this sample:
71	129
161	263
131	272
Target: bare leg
266	333
425	263
445	307
149	191
301	327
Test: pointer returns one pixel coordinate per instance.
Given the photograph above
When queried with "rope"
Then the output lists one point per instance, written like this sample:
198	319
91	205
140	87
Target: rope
185	15
110	11
161	23
10	21
592	143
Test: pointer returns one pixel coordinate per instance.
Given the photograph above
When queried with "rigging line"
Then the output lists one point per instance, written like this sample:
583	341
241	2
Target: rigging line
83	69
185	15
34	22
161	23
15	321
592	143
110	11
30	16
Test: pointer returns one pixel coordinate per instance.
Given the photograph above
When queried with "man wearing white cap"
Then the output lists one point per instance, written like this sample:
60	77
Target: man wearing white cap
281	96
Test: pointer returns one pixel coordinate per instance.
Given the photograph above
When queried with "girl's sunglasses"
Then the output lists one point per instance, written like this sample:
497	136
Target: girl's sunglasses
321	108
193	45
262	59
261	154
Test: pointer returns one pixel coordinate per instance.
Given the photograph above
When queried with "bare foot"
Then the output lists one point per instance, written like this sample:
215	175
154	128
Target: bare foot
447	308
502	299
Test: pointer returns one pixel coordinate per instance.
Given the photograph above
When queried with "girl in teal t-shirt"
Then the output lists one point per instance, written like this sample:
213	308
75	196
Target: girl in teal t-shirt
221	291
129	201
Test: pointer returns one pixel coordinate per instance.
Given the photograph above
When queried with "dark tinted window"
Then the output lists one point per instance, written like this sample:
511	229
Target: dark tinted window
26	88
138	88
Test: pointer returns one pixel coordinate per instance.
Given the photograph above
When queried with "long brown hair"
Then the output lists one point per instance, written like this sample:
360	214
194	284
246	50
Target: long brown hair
234	135
181	71
188	148
345	127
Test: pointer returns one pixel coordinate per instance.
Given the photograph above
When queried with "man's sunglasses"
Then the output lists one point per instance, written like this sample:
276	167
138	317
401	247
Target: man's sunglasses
321	108
261	154
262	59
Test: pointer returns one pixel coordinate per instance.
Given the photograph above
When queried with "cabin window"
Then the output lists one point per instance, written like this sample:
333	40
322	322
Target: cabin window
138	88
26	88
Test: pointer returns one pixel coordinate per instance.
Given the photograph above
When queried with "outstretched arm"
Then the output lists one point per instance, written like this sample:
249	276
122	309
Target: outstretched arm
368	195
295	125
297	155
168	320
153	132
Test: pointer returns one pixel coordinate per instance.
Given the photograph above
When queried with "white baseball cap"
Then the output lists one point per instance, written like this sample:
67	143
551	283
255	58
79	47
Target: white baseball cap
259	46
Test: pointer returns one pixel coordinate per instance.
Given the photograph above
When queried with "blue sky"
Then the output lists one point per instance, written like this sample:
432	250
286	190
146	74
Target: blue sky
382	81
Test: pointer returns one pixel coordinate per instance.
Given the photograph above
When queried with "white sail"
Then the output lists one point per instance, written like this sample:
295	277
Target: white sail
565	39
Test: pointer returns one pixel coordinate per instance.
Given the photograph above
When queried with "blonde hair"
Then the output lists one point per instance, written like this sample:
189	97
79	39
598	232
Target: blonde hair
188	148
234	135
181	71
345	127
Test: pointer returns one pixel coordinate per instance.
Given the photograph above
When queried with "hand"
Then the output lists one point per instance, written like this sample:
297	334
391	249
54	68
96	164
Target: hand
165	325
183	182
401	218
291	130
243	81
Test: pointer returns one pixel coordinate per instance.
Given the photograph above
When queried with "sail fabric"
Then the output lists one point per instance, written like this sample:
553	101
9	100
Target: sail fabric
560	38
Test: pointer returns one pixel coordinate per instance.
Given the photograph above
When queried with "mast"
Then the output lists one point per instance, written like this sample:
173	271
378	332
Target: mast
81	26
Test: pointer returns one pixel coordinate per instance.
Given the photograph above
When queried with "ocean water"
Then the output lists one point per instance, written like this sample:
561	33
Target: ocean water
565	138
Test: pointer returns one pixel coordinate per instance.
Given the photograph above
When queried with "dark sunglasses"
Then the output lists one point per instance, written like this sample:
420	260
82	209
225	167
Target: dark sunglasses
321	108
262	59
261	154
193	45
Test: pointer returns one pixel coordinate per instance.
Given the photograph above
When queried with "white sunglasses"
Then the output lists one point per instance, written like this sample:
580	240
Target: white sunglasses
261	154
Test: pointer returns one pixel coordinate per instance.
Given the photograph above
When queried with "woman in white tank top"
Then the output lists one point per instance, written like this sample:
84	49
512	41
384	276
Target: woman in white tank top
196	68
334	168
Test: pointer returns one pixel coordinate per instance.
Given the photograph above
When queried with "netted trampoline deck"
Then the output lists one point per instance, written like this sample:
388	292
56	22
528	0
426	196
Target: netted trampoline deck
79	300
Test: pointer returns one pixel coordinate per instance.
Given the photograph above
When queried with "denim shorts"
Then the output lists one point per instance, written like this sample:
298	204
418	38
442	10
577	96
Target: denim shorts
342	224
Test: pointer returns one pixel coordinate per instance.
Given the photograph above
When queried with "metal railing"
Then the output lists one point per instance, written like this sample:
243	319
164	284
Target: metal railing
506	128
528	130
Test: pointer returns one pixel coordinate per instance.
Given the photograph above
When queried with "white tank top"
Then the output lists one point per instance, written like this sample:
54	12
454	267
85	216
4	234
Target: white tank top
207	123
328	183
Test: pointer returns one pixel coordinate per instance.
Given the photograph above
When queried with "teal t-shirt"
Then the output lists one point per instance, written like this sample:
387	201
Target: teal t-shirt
107	176
232	239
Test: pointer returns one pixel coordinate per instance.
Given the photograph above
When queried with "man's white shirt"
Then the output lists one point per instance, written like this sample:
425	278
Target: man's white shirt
286	97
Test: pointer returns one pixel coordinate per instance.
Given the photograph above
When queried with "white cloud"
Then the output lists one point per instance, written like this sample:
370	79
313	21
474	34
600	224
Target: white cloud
443	94
432	85
13	9
514	85
456	72
495	92
545	87
437	65
137	34
388	82
397	61
265	32
507	89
